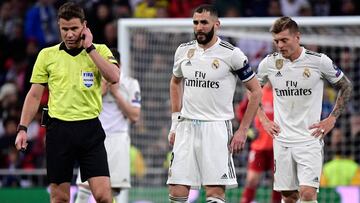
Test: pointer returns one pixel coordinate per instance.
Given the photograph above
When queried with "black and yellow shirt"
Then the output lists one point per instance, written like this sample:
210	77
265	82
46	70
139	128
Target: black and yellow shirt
74	81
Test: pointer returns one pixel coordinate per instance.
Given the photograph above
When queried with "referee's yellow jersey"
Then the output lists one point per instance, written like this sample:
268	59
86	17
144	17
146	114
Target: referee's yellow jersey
74	81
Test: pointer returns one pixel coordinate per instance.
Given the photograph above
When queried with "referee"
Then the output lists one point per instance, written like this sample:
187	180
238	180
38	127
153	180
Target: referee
72	70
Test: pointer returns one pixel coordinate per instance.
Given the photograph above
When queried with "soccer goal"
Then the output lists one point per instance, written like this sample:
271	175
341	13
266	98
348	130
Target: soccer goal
147	48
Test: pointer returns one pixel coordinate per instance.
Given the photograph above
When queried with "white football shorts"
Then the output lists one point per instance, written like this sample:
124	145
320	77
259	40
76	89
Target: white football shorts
201	155
296	166
118	153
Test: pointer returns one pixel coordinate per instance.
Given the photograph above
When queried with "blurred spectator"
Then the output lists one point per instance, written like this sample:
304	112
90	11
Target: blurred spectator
228	8
341	170
8	154
8	18
321	7
274	8
258	8
32	50
9	101
348	7
97	22
122	10
41	23
184	8
137	163
110	35
151	9
293	7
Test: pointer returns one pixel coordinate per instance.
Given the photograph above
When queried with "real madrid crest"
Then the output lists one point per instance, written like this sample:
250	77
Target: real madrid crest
215	64
306	73
190	53
279	63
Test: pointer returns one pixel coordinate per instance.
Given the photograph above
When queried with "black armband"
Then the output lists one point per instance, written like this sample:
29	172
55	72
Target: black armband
21	127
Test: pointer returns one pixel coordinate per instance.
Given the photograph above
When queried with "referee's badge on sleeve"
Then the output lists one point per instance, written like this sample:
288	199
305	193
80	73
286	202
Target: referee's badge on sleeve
88	78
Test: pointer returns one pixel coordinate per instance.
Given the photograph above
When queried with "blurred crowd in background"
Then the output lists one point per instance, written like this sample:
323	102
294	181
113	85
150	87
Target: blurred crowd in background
28	26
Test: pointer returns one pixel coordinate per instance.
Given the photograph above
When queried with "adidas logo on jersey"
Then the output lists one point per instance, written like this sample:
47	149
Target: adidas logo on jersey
224	176
278	74
316	180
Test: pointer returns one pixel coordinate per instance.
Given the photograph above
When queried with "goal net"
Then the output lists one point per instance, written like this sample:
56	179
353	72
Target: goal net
147	48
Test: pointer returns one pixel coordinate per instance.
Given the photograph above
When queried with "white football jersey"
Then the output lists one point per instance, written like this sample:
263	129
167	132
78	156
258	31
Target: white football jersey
111	117
298	92
210	78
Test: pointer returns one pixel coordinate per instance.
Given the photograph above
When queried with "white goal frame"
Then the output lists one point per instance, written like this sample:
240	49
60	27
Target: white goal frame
185	25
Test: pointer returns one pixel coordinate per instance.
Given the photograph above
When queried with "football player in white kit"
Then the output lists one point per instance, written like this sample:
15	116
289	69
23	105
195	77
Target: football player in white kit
297	76
121	105
201	91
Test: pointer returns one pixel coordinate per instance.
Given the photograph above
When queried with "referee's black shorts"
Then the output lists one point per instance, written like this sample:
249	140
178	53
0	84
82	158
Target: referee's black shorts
68	141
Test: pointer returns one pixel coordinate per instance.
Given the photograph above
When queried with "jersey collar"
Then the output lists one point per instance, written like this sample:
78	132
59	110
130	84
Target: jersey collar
72	52
218	40
302	55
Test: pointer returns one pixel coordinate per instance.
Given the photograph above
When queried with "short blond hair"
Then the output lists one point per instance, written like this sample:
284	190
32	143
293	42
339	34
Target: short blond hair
284	23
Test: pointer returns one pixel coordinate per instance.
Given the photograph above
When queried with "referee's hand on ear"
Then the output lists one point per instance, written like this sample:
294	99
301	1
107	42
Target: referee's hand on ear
87	37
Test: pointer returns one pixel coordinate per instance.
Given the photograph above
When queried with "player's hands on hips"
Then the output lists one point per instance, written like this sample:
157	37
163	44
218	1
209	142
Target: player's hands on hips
238	141
87	37
271	128
323	127
21	140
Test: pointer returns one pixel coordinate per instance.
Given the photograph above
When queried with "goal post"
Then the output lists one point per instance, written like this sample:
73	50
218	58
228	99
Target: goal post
147	48
185	25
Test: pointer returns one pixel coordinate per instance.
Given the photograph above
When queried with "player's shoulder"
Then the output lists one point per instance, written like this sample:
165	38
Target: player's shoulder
226	45
272	57
313	53
48	53
188	44
51	49
317	58
128	80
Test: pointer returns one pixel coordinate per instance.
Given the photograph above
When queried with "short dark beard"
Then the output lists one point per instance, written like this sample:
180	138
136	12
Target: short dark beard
208	36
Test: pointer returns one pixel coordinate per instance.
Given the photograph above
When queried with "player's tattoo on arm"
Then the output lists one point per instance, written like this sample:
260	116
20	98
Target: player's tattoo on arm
344	88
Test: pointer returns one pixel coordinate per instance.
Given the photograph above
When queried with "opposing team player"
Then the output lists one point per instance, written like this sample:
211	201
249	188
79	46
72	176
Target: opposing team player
201	90
121	105
261	156
297	76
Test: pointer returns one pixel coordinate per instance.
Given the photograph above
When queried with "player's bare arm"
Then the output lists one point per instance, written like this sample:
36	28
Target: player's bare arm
109	71
131	112
239	139
344	88
270	126
31	106
175	99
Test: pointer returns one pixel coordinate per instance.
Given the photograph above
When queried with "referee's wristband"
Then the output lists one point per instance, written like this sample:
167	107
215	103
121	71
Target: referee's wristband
21	127
90	48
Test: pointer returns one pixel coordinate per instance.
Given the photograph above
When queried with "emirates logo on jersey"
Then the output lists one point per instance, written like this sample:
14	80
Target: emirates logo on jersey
215	64
279	63
306	73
